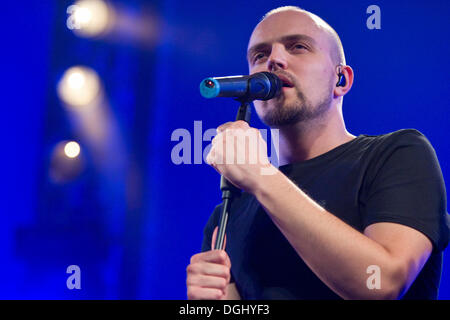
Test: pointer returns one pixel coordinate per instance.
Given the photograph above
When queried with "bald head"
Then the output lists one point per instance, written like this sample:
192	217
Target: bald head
335	45
304	52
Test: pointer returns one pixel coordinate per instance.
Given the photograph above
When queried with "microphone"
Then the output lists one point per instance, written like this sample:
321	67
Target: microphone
258	86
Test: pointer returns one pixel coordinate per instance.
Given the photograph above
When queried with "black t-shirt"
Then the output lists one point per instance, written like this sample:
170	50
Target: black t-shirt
393	177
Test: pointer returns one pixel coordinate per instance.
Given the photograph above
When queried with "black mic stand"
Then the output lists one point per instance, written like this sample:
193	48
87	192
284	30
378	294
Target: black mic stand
229	191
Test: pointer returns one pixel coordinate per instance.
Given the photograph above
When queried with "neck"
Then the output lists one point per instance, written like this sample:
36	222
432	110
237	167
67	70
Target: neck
309	139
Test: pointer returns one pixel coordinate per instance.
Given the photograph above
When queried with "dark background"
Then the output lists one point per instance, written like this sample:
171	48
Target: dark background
131	218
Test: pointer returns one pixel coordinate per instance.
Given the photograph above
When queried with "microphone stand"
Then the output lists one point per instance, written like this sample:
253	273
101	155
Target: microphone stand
229	191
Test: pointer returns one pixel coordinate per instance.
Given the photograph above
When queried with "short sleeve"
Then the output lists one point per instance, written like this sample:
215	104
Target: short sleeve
407	187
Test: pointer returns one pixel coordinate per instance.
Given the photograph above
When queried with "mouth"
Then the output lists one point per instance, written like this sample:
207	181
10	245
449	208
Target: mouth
285	81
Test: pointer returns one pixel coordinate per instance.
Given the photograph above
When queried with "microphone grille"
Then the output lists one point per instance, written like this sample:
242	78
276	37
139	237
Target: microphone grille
275	85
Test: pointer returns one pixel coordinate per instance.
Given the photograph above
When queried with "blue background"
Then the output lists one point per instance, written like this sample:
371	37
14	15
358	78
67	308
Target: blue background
132	219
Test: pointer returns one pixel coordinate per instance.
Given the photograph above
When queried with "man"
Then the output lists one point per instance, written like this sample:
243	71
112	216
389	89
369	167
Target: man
343	216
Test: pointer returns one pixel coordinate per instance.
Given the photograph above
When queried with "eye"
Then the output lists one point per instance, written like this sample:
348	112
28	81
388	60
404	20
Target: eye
298	46
258	56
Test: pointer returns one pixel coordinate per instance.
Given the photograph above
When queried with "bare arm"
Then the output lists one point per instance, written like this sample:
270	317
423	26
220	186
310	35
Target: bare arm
338	254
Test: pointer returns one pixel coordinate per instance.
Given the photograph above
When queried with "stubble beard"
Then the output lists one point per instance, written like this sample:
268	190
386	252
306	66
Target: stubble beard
300	110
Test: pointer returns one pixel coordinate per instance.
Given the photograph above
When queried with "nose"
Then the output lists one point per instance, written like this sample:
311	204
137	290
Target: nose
277	59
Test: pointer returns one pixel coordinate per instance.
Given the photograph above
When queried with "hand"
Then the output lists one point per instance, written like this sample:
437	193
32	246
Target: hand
240	153
208	274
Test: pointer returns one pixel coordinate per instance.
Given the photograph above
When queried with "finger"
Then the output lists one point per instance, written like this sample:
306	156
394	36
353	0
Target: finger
214	236
210	269
210	157
213	256
205	281
217	138
236	124
242	124
199	293
224	126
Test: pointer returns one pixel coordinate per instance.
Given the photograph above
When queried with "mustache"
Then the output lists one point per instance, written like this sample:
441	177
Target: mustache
284	74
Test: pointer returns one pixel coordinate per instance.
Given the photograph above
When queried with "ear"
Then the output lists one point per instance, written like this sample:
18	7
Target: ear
347	71
214	236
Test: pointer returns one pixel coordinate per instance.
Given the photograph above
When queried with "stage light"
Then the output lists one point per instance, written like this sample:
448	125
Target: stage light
66	162
72	149
89	18
79	86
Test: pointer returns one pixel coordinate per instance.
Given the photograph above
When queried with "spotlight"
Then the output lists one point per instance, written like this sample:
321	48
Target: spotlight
72	149
89	18
66	163
79	86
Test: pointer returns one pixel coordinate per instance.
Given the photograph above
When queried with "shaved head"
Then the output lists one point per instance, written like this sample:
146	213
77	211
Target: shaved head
336	48
306	53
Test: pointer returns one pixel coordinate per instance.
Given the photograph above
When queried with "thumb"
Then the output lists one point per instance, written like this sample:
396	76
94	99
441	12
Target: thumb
214	236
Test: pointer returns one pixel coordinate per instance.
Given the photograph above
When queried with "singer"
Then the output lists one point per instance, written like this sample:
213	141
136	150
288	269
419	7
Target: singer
343	216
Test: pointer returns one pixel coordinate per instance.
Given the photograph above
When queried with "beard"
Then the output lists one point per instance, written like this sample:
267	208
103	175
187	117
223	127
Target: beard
301	110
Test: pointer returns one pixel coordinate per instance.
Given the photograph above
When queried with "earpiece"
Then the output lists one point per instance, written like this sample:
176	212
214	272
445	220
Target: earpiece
341	81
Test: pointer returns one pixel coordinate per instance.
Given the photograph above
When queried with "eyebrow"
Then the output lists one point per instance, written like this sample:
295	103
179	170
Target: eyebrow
283	39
